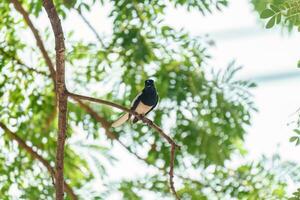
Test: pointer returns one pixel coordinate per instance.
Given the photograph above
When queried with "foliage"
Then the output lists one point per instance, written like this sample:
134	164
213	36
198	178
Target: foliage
205	111
296	138
296	195
284	12
248	181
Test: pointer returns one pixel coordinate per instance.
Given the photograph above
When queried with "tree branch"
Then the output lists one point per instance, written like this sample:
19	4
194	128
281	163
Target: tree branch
35	155
50	65
90	27
37	37
61	94
106	125
41	46
98	118
149	123
144	119
19	62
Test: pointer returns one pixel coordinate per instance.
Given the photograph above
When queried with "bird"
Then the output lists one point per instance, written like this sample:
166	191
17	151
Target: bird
144	103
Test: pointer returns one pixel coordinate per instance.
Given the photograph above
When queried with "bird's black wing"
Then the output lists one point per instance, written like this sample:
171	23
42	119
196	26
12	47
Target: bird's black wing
135	104
152	106
136	101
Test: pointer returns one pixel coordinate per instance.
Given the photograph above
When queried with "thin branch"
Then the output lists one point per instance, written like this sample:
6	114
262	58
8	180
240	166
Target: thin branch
35	155
19	62
106	125
90	27
97	117
38	39
144	119
50	65
18	6
94	32
86	107
61	94
171	172
149	123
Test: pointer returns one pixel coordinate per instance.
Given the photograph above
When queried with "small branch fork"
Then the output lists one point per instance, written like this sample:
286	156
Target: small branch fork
144	119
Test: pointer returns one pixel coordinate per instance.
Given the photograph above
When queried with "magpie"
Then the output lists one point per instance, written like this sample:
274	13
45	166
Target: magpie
142	104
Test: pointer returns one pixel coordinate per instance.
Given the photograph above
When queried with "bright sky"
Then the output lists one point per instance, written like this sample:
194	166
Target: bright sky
240	36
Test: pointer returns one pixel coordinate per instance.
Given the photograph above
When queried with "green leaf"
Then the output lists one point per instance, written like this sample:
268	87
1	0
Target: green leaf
275	8
267	13
278	18
298	141
294	138
297	131
252	85
271	22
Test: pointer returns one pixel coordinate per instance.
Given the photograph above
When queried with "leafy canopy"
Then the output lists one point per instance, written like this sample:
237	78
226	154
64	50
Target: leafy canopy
206	112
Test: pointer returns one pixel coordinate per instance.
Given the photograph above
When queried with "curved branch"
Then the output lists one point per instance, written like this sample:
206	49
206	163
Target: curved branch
37	37
35	155
18	6
104	123
144	119
149	123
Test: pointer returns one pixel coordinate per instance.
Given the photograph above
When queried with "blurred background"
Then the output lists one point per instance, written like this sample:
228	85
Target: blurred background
255	160
268	57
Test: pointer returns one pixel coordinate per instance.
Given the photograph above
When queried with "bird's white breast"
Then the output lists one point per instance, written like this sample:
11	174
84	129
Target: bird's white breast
142	108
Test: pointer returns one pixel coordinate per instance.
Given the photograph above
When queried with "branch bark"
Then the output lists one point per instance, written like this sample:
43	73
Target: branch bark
37	37
62	95
149	123
50	65
111	104
35	155
56	26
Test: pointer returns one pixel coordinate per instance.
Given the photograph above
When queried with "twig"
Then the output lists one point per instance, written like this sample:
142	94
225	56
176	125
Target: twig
94	32
62	97
38	39
18	6
148	122
97	117
144	119
90	27
106	125
87	108
35	155
20	62
171	172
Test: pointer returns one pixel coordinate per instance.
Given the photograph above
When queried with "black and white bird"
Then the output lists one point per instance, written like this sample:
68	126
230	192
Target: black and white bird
142	104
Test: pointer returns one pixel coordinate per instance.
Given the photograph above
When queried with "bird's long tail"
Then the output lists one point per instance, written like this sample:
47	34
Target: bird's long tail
121	120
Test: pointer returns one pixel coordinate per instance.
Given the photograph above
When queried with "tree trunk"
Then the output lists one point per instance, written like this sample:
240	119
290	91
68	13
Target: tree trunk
62	95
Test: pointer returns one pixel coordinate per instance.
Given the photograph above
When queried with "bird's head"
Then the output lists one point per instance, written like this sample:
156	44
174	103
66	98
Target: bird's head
149	83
